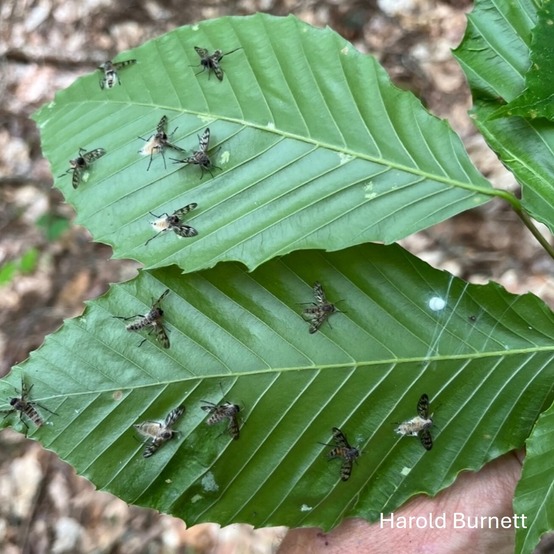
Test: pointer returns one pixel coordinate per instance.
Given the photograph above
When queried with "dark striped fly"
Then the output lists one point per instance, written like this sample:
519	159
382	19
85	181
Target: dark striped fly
221	412
153	321
342	449
81	163
211	62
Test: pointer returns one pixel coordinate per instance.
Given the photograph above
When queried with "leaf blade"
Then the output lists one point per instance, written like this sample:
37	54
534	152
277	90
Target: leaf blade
317	148
484	358
495	54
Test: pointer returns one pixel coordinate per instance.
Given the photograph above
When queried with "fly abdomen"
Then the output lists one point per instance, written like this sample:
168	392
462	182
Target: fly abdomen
153	315
28	409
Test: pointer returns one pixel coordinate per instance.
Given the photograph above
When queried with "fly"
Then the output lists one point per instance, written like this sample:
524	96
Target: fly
211	61
221	412
200	157
81	163
111	76
320	310
420	425
24	406
173	222
153	321
158	142
158	432
342	449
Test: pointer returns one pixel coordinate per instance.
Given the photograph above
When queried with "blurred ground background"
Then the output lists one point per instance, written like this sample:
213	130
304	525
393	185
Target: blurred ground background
48	266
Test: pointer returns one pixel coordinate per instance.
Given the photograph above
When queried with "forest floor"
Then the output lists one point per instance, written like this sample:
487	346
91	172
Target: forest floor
49	266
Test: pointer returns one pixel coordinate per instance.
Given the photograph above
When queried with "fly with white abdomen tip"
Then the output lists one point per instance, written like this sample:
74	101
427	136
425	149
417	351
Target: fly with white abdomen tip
173	222
158	142
158	432
420	425
111	75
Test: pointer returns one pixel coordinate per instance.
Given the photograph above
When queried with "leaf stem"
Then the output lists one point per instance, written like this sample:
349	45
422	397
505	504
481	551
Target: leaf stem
527	221
525	218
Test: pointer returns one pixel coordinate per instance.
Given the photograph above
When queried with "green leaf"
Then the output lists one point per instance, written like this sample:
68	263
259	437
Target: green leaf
495	56
53	226
316	148
29	260
484	357
8	271
26	263
534	492
538	99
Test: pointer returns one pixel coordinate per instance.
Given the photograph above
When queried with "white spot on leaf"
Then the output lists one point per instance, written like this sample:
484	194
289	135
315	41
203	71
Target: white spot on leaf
208	483
368	187
345	158
437	303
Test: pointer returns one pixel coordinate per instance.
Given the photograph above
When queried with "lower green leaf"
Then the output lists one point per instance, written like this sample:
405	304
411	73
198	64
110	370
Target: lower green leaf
535	491
400	329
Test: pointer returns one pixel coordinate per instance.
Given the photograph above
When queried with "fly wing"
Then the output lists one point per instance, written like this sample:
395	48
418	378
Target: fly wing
89	157
161	335
151	449
426	439
185	231
162	125
124	63
340	438
217	69
234	429
183	211
423	407
204	140
202	52
319	295
174	415
164	294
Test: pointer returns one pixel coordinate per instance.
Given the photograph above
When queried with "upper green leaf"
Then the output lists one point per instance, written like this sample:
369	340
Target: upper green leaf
314	148
484	357
495	56
538	98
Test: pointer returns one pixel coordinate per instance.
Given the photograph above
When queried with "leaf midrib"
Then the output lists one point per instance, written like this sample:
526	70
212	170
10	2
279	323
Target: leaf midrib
319	367
489	191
